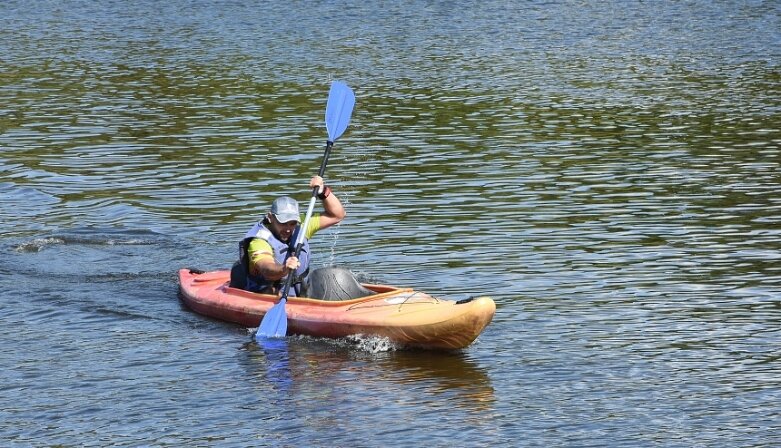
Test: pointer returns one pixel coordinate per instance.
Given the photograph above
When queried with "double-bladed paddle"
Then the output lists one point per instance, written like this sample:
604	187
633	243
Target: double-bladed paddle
337	116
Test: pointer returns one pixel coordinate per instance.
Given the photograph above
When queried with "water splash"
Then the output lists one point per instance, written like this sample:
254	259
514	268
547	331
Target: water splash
38	244
89	237
372	344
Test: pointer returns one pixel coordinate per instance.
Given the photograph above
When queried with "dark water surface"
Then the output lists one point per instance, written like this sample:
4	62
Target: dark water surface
608	171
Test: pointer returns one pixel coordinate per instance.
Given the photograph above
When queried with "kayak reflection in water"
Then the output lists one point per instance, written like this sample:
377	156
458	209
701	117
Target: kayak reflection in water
267	251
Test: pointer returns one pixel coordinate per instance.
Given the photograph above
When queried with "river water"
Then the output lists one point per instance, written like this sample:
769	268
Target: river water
607	171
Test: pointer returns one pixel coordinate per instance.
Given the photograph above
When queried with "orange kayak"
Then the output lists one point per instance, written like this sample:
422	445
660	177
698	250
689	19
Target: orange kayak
404	316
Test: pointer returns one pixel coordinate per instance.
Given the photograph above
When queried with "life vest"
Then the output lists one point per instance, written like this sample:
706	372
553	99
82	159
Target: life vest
282	250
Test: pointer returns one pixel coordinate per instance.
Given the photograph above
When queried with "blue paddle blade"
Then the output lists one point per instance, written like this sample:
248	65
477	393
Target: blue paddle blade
341	100
274	323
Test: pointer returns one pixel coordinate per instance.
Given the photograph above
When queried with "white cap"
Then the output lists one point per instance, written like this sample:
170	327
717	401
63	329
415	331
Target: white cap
285	209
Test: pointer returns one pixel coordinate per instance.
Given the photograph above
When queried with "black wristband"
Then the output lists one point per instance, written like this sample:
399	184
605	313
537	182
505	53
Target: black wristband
326	192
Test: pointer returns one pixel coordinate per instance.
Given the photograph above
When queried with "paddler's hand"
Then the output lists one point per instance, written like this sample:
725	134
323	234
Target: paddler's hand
292	263
318	182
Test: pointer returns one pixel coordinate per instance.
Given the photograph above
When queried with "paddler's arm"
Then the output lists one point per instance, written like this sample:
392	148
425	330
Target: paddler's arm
262	261
333	209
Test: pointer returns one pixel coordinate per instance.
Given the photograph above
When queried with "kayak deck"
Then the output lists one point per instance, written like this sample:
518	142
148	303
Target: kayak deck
403	315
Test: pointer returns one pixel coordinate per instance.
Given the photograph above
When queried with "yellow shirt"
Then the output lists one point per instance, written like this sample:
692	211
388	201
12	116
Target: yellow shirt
260	249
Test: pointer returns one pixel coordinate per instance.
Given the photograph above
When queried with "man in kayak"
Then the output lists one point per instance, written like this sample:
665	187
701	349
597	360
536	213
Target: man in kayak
267	252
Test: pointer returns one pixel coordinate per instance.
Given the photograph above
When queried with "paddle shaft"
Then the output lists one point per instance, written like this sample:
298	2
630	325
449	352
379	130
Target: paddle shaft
309	210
